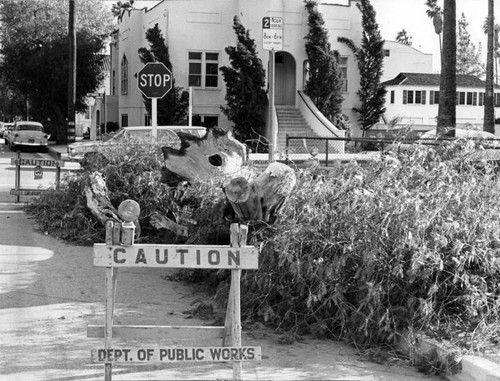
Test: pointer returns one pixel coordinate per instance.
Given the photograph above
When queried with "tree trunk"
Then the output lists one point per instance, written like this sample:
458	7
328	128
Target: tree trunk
98	200
261	198
203	159
99	203
448	79
489	107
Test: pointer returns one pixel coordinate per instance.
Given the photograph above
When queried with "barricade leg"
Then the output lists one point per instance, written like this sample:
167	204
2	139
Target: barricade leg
111	275
108	328
232	328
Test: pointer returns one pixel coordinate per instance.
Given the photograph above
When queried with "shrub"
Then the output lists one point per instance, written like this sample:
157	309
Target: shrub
131	171
409	242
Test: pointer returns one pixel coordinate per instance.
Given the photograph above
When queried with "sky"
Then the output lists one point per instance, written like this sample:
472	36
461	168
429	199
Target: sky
395	15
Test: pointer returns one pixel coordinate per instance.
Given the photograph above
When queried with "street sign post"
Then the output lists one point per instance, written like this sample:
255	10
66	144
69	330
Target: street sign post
272	40
154	80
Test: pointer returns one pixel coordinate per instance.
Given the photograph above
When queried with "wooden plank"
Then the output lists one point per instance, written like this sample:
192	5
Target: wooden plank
176	256
154	354
157	332
29	192
109	232
108	324
238	239
117	233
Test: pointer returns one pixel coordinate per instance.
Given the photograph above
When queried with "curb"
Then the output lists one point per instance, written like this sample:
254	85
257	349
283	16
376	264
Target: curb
476	368
427	353
54	153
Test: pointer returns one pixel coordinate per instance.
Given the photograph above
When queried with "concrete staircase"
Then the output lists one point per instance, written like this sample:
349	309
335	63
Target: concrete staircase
291	122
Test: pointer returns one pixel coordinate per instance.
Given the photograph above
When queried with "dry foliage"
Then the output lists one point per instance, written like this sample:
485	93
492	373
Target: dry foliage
410	242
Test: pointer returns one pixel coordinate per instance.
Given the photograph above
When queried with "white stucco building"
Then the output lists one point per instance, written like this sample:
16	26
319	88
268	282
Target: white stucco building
413	98
198	31
400	57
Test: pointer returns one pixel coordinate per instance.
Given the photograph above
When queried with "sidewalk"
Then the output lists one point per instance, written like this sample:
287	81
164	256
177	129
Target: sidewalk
58	151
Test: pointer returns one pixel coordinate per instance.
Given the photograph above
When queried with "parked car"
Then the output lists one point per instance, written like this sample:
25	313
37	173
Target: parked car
28	134
6	128
490	143
462	134
168	135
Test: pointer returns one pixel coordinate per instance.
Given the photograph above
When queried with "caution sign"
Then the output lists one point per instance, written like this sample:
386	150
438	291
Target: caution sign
36	162
176	256
174	354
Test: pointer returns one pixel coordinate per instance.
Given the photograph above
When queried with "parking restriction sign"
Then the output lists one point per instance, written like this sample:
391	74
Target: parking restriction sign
272	33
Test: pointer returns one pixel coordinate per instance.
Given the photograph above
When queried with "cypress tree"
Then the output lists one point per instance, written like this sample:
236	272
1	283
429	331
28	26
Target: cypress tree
245	88
370	57
173	107
324	84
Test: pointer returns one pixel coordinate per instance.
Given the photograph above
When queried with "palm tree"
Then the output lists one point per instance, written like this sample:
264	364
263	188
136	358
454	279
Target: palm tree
448	78
496	46
119	8
435	13
403	37
489	109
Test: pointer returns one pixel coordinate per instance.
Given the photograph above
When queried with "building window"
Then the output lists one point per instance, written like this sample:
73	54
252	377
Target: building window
203	70
124	120
418	97
414	97
471	98
343	72
481	99
409	97
113	81
392	96
124	75
208	121
387	52
434	97
460	97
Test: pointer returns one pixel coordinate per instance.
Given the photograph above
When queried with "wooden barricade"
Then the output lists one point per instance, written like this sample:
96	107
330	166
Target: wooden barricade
39	164
112	256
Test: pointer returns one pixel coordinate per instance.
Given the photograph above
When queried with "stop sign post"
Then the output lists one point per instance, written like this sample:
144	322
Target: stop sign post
154	80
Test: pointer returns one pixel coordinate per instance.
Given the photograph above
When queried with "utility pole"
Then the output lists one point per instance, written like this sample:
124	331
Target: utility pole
70	131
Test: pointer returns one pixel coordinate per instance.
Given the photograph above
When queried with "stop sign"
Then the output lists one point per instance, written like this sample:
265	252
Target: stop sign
154	80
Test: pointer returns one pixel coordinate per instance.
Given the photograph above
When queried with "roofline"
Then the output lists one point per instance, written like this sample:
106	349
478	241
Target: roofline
400	43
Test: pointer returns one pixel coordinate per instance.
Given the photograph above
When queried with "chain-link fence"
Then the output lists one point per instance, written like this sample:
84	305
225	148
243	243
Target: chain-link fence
328	150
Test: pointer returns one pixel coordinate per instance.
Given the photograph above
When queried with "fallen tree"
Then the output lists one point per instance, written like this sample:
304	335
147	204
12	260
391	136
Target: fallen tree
259	199
202	159
218	153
